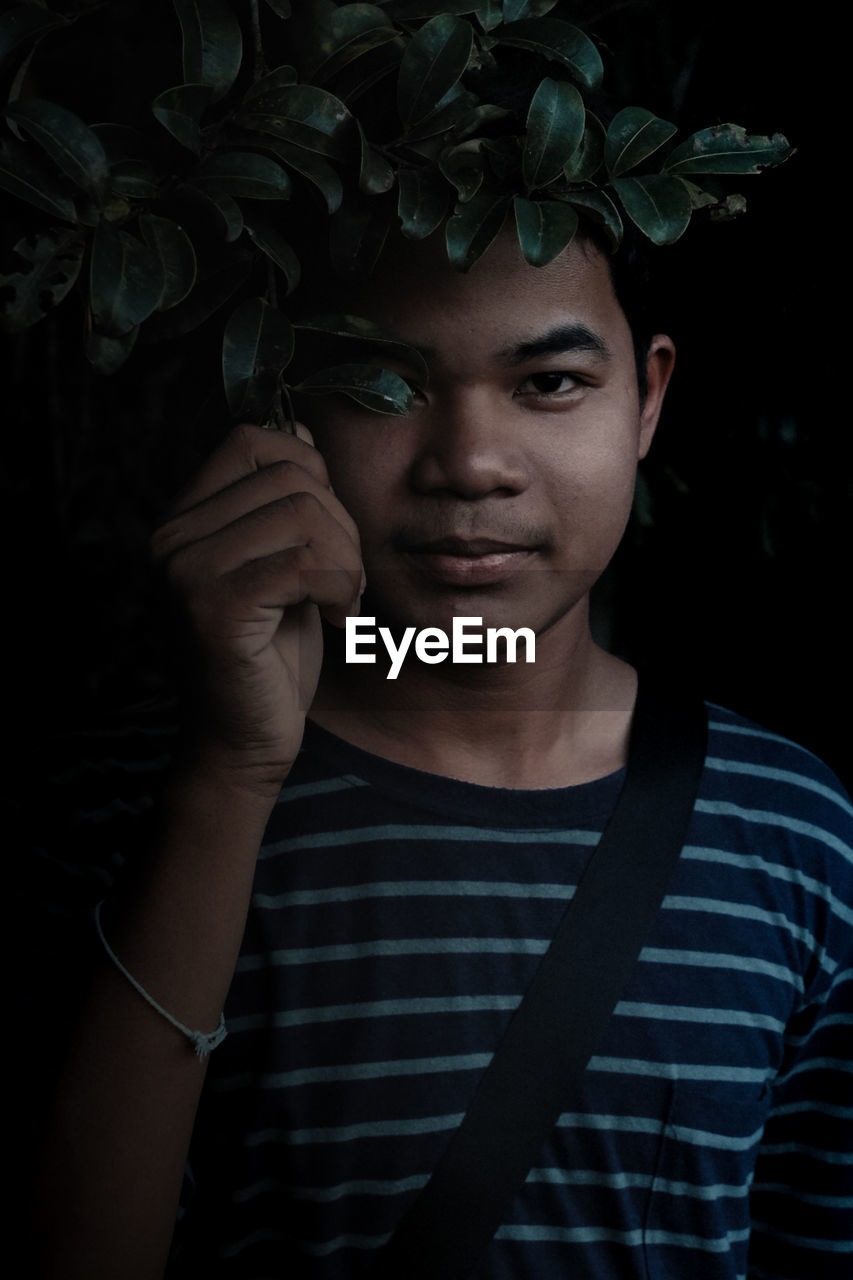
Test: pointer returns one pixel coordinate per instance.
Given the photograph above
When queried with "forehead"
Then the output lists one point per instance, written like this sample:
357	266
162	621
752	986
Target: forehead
501	301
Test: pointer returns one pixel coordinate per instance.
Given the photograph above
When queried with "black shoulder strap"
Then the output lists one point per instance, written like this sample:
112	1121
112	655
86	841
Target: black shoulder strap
558	1024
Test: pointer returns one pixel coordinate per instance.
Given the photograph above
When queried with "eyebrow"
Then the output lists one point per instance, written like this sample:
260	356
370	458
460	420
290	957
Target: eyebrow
563	337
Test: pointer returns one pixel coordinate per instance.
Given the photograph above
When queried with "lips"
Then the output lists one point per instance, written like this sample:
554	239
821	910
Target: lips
468	547
456	561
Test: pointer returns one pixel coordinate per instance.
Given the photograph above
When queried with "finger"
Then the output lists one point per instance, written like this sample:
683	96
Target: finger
244	451
250	603
297	522
260	489
301	574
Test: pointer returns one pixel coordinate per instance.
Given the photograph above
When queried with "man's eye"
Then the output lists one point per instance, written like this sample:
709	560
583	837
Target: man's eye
547	384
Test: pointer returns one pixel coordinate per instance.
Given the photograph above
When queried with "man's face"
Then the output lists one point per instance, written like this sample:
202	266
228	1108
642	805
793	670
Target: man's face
506	489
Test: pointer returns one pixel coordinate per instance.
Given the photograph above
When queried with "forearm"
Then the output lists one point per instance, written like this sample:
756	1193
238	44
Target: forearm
117	1143
254	548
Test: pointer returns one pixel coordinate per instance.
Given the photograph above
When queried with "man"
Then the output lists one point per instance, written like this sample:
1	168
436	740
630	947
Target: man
420	836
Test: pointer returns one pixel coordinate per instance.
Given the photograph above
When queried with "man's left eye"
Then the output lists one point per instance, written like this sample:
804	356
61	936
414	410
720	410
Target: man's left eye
547	384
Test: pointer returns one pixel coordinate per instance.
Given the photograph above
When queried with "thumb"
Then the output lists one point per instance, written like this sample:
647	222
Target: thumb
300	430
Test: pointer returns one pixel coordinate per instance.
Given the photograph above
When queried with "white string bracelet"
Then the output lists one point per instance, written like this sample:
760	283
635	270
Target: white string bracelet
203	1042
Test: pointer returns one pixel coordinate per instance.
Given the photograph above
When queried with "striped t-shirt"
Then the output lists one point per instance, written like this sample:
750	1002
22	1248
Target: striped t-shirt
396	920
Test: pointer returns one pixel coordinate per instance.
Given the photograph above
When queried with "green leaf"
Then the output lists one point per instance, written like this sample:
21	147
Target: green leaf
305	115
365	333
63	136
632	136
423	202
504	157
727	148
359	76
658	204
272	83
409	10
515	10
597	207
130	157
490	14
134	180
587	159
724	210
473	121
280	7
212	291
257	347
313	167
433	62
107	354
180	110
464	166
243	173
267	236
358	232
555	125
213	43
177	257
376	389
700	199
343	35
126	281
473	227
24	25
116	209
54	259
23	175
122	143
220	211
375	174
545	227
560	42
454	109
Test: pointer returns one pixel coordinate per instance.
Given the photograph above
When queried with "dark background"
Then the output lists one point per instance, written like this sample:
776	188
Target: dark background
740	567
735	566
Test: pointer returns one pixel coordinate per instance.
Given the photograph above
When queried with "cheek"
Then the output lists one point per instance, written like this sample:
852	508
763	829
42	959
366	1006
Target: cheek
359	462
595	467
593	497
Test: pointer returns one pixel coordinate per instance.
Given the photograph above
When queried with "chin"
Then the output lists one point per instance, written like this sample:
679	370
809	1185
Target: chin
538	599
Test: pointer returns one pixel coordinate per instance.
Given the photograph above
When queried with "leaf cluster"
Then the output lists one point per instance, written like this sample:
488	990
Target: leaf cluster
378	116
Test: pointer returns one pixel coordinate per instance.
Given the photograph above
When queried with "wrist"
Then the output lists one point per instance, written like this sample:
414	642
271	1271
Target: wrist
242	761
220	779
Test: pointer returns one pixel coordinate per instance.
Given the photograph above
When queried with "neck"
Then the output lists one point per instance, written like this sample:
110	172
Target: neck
558	722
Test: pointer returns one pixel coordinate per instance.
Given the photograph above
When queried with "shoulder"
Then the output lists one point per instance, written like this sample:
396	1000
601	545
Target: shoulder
763	764
781	797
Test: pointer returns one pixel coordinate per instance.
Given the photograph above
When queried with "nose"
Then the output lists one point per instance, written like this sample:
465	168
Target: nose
468	450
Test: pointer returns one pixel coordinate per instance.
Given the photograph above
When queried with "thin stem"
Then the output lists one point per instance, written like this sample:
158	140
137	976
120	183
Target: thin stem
284	391
272	284
257	41
280	419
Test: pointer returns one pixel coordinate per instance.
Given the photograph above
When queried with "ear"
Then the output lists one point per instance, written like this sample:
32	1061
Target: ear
660	362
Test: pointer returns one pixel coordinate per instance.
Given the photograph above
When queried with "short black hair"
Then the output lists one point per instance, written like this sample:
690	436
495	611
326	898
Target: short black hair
631	264
633	279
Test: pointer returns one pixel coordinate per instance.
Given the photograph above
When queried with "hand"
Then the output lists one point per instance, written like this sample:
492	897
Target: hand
256	548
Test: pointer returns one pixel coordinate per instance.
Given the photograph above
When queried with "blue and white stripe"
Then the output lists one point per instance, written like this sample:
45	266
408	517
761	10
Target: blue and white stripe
397	919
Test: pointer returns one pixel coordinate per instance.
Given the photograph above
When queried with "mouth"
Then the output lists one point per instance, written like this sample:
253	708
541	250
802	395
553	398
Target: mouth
468	562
